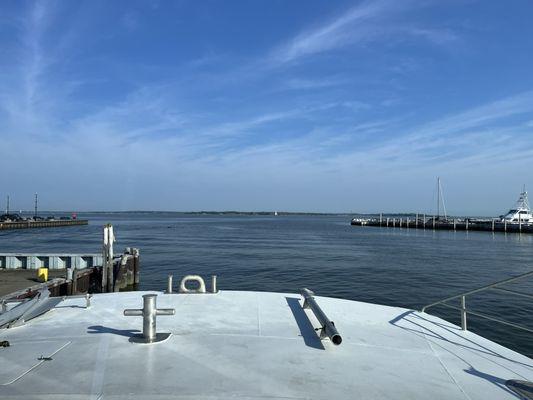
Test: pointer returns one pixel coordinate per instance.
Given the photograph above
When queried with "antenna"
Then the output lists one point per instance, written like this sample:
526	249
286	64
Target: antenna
35	213
7	206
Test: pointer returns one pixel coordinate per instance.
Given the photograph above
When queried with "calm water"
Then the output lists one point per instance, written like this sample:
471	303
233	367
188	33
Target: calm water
408	268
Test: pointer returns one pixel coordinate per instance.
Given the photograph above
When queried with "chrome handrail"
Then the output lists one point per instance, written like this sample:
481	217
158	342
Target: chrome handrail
464	311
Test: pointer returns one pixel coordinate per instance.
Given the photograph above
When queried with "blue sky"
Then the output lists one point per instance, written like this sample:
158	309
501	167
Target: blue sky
266	105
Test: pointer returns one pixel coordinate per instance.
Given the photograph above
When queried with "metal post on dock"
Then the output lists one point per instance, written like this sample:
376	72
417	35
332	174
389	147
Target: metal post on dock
416	221
107	268
454	224
400	222
463	313
387	222
466	226
492	224
394	222
433	222
505	225
407	222
380	218
424	221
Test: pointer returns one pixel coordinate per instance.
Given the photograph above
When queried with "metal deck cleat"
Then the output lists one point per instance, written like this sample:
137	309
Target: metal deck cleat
149	312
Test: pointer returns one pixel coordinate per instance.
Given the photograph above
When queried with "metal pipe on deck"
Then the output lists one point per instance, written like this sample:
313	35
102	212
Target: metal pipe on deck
169	284
328	327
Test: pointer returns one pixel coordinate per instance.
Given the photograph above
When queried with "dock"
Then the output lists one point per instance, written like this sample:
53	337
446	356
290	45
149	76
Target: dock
52	223
438	223
69	274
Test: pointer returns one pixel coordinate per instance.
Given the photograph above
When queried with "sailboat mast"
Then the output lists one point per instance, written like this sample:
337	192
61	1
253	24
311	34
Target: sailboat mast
438	196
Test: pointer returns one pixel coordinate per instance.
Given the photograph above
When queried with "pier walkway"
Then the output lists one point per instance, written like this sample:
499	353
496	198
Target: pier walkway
445	224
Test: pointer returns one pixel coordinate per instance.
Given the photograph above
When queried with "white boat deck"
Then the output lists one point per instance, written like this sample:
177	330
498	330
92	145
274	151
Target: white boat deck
250	345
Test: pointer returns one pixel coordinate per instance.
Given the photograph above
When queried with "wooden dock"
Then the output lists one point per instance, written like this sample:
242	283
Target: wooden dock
42	224
123	274
444	224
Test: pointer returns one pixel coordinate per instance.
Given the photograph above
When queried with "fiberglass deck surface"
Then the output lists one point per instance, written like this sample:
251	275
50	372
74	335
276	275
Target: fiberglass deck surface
250	345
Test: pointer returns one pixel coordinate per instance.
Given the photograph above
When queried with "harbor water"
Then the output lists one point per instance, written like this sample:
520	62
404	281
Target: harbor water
399	267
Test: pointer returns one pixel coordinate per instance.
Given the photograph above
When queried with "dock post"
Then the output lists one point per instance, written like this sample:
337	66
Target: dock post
454	224
505	225
492	224
107	268
400	222
466	226
394	222
136	267
380	218
424	221
416	221
74	286
433	222
407	222
387	222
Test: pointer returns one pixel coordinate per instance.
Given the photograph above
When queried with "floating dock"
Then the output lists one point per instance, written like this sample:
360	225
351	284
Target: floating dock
53	223
448	224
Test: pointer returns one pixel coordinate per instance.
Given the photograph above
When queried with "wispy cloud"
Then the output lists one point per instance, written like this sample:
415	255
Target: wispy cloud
363	23
350	27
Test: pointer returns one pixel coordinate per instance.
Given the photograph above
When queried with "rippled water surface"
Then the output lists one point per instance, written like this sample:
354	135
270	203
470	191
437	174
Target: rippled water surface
400	267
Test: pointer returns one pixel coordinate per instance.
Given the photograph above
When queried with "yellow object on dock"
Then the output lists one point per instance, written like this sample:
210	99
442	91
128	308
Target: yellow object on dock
42	274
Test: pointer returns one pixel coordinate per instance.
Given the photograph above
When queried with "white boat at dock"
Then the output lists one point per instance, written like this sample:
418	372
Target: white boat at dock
521	212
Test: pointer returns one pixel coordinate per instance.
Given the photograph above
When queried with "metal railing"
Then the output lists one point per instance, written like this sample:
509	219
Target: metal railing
493	286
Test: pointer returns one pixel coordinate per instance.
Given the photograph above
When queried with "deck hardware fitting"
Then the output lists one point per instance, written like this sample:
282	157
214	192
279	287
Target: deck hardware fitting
327	329
196	278
88	300
169	284
214	284
149	312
